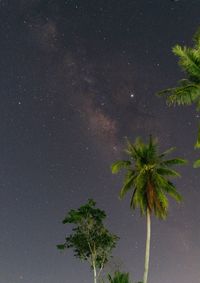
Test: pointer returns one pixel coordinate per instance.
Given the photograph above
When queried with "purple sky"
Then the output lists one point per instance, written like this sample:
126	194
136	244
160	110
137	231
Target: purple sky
76	78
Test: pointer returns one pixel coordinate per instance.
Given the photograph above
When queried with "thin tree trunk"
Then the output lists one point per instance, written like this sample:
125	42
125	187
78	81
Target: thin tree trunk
147	254
95	273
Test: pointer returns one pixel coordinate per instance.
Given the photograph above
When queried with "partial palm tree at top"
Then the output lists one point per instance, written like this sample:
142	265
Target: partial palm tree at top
188	90
148	175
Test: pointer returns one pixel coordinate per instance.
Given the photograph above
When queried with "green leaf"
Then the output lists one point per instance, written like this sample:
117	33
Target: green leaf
119	277
174	161
196	163
197	145
166	152
118	165
61	247
171	190
167	172
128	184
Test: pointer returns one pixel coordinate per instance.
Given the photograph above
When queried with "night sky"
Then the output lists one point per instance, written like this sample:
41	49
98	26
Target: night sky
76	79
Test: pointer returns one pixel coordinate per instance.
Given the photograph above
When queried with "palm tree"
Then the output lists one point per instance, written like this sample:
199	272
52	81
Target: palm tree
188	90
147	175
119	277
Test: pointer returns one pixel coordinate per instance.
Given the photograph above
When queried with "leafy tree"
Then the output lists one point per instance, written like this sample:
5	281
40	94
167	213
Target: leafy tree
119	277
90	240
188	90
148	175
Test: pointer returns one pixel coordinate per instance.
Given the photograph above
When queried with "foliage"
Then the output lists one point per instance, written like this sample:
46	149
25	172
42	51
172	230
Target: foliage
119	277
188	90
148	174
90	240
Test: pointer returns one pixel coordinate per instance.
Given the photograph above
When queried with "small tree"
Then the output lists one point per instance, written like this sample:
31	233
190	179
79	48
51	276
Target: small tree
90	240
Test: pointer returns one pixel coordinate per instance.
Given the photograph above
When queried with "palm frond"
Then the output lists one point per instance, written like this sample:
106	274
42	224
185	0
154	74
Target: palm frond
161	204
167	172
120	164
196	39
119	277
182	95
189	60
197	144
151	149
128	183
134	202
141	180
143	205
171	190
166	152
167	187
174	161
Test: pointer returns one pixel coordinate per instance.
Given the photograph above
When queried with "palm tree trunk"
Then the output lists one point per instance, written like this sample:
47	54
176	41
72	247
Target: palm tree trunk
147	254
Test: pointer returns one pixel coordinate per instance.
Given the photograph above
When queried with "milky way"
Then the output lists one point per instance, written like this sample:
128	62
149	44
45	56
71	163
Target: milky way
76	79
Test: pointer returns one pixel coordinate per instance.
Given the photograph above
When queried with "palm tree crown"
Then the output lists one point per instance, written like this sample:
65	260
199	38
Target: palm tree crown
148	173
119	277
188	90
